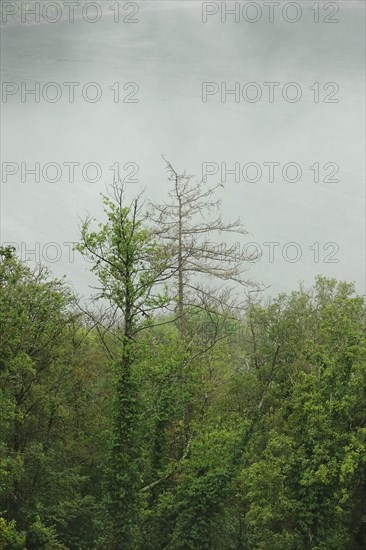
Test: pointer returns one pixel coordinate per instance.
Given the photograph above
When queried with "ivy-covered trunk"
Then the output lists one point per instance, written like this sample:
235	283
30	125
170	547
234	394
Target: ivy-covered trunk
123	469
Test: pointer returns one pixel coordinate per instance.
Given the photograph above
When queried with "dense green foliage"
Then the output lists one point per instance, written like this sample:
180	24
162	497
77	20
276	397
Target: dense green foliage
54	412
248	433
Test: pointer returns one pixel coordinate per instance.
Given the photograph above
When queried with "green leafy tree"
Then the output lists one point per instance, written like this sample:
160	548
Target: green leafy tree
131	267
51	405
305	475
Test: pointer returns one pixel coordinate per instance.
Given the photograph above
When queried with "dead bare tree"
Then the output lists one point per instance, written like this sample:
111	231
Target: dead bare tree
187	224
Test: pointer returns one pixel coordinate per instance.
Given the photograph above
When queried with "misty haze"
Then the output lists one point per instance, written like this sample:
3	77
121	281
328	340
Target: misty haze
182	275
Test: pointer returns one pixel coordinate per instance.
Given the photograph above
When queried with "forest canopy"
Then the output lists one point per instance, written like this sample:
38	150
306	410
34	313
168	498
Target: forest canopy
188	413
